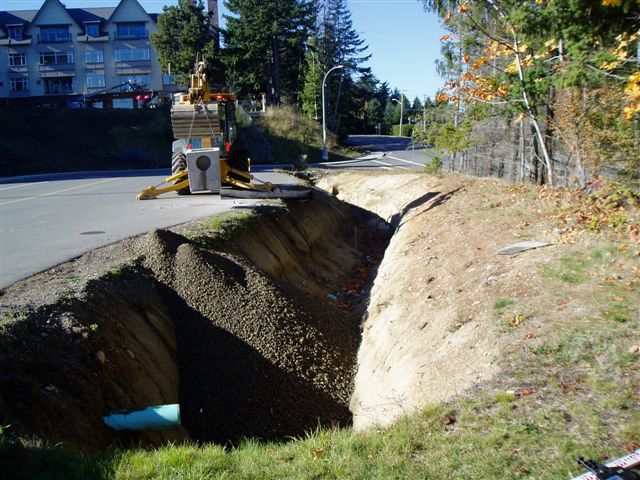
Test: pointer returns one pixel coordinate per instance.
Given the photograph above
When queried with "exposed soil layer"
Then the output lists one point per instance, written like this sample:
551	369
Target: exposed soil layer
244	339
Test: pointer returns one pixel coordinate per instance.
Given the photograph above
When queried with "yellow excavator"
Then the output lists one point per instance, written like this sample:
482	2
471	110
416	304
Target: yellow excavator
208	154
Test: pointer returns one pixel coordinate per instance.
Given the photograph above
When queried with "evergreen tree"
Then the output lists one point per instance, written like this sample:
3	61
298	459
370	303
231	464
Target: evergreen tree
311	96
339	44
265	45
183	33
416	108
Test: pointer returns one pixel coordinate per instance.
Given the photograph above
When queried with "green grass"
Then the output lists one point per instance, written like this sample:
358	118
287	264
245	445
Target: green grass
503	303
488	438
222	228
572	268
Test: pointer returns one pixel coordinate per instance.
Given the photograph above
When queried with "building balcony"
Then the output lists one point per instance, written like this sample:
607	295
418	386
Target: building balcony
132	36
82	38
12	42
56	39
52	70
133	67
18	69
94	66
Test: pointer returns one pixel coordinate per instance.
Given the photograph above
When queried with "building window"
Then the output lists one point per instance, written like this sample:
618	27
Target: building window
58	85
95	80
135	82
55	34
17	59
131	31
132	54
56	58
94	56
19	84
92	29
15	33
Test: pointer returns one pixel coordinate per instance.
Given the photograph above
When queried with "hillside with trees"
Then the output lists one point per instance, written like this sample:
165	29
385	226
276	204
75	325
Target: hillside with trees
544	90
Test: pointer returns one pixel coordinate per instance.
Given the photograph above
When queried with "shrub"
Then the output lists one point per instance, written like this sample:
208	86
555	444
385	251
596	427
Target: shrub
434	166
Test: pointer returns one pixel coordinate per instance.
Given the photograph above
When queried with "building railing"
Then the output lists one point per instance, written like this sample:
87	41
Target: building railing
57	66
131	67
103	37
132	36
94	65
18	68
55	39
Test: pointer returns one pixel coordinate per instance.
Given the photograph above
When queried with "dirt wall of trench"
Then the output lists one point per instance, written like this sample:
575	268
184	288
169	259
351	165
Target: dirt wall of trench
431	331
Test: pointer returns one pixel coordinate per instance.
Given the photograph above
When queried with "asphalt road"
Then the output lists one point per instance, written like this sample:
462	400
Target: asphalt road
48	219
382	152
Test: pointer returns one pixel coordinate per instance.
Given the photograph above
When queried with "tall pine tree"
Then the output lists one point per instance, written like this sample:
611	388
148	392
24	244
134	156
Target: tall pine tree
338	43
265	45
183	33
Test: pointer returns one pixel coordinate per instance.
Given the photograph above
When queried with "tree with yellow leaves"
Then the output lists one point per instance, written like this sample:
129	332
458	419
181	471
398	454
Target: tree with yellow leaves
526	57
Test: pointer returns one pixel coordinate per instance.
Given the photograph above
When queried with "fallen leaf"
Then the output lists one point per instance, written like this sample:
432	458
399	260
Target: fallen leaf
449	420
524	392
516	320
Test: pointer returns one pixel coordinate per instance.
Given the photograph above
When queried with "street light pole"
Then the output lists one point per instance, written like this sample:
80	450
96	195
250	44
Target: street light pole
325	154
401	105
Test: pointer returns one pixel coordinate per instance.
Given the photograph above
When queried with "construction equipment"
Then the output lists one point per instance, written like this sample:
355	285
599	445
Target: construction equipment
208	154
623	468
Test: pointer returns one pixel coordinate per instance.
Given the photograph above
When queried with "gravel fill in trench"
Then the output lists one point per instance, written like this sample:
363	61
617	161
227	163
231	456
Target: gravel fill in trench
257	358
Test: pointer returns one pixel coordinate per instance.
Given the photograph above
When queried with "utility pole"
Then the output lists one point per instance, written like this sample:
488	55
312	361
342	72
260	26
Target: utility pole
325	154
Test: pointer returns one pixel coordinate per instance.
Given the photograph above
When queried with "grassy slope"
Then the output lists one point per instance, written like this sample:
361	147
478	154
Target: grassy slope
58	140
290	135
581	398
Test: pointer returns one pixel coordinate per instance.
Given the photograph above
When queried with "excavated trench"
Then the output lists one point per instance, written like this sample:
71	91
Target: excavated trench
256	336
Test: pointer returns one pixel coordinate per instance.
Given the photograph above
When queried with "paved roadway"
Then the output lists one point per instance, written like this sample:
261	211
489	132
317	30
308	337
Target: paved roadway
49	219
382	152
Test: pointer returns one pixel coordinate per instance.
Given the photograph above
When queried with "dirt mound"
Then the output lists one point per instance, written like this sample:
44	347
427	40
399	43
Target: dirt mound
256	357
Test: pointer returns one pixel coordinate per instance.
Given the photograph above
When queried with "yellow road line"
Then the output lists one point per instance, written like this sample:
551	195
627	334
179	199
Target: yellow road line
56	192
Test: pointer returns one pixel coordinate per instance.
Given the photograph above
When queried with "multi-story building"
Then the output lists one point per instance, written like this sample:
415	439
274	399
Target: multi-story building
57	53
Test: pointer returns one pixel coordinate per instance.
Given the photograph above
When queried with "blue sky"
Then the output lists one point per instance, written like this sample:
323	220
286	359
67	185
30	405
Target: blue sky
402	38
